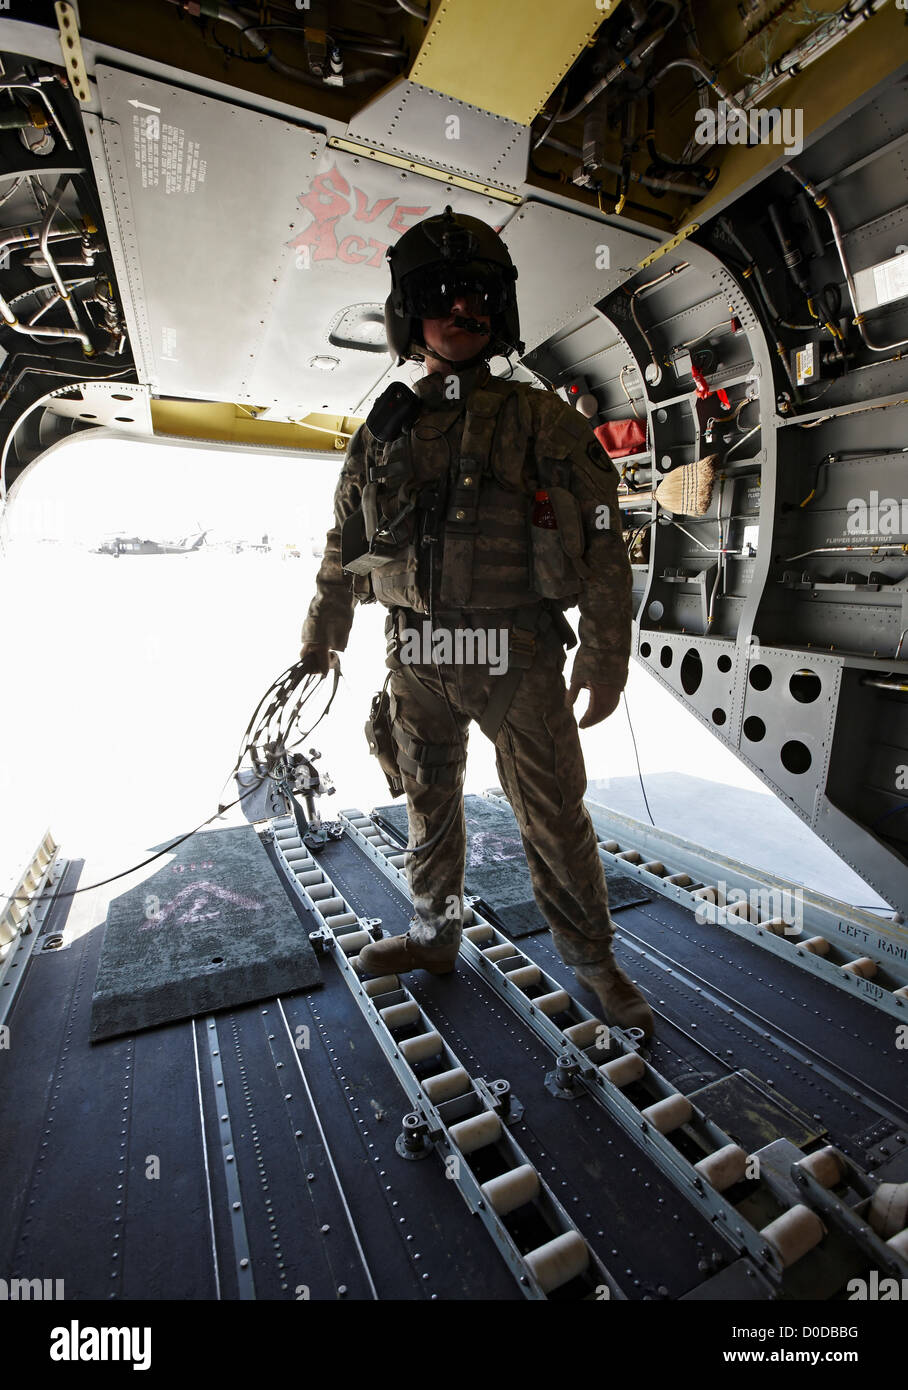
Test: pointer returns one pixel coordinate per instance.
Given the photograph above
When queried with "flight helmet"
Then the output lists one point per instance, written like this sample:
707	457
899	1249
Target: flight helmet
439	259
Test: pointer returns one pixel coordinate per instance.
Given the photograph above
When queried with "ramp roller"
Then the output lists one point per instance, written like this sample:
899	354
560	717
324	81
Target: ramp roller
524	975
863	966
889	1209
511	1190
559	1260
621	1071
331	907
342	919
794	1233
499	952
668	1114
477	1132
399	1015
446	1085
584	1034
352	941
899	1244
723	1168
382	984
826	1166
554	1003
424	1045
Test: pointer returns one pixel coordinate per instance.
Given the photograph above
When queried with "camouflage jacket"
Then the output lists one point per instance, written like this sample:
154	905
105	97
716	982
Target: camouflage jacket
539	442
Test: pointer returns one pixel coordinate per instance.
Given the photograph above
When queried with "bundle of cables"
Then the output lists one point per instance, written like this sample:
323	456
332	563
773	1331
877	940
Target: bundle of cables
266	739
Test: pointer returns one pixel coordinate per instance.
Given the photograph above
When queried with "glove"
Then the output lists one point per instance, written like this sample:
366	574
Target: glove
316	660
603	700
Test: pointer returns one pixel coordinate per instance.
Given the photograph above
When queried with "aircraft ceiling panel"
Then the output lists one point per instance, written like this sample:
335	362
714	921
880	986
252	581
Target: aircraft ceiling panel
565	263
331	294
206	197
422	124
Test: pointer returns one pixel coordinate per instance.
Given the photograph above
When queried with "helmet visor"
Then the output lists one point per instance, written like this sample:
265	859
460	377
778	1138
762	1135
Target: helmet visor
430	292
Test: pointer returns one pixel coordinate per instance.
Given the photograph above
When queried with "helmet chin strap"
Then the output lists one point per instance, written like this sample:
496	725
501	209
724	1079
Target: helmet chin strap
467	363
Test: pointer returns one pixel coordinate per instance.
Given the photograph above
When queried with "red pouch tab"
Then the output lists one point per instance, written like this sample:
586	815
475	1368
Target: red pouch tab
620	437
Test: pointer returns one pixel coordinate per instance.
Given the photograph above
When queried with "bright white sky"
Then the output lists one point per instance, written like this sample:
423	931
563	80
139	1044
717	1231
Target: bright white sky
129	681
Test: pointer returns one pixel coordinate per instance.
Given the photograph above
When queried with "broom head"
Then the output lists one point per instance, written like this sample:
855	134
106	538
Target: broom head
688	490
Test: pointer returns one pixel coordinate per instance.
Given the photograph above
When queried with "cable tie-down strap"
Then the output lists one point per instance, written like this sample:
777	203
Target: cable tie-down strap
428	762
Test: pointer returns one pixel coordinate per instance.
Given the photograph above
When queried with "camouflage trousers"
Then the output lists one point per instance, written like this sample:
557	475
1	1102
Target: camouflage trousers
541	769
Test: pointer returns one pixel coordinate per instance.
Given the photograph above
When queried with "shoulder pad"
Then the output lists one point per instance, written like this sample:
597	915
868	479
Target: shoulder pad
560	429
597	455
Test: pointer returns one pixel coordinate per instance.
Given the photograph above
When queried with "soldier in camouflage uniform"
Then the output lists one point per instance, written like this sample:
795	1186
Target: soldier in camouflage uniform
446	513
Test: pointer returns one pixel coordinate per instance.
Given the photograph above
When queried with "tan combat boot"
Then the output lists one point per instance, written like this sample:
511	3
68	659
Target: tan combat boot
395	954
622	1003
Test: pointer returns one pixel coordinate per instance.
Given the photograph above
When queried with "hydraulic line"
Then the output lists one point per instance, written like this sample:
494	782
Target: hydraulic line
829	33
645	180
26	234
698	65
45	248
628	64
823	203
707	176
651	284
764	300
10	191
229	15
35	87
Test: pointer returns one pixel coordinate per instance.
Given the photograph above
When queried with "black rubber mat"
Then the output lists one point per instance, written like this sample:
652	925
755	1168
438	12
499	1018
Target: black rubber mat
210	930
496	866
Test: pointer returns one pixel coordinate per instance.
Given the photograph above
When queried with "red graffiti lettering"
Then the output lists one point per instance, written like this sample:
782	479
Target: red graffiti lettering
380	249
327	206
363	212
345	251
328	201
395	223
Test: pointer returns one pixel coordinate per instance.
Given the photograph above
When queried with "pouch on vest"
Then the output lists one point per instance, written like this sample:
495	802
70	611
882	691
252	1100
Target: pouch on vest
381	740
557	554
364	548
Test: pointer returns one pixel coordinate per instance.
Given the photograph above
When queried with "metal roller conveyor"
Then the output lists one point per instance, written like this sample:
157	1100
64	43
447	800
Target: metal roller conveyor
694	1152
463	1118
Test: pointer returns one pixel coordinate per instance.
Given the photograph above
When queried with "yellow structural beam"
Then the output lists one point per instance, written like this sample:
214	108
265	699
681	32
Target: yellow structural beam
238	424
506	56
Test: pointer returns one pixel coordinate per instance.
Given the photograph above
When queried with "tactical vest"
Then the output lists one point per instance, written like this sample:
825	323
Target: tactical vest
467	474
